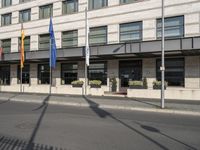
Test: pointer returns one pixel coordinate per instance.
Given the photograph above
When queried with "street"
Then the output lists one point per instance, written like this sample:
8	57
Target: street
27	126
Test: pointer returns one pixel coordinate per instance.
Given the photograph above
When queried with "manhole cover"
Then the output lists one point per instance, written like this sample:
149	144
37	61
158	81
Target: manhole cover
25	125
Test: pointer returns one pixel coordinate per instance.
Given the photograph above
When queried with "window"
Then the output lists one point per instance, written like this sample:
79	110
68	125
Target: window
5	75
6	45
46	11
98	71
70	6
174	71
25	74
70	38
26	43
69	73
44	41
96	4
6	19
174	27
25	15
22	1
131	31
127	1
98	35
6	3
43	74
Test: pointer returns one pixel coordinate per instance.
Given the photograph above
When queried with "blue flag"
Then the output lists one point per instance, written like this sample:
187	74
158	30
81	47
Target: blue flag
52	63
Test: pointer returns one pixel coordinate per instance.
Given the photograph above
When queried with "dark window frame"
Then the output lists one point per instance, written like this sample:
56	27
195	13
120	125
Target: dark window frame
3	45
139	31
21	19
5	75
74	38
24	1
96	36
158	72
181	27
126	2
105	72
65	3
3	4
41	79
25	72
3	17
62	71
91	4
47	42
41	11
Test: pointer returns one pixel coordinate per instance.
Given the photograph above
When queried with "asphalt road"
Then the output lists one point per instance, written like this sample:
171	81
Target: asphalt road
25	126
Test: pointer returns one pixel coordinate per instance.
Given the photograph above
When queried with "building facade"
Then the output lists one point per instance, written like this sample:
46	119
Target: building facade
125	44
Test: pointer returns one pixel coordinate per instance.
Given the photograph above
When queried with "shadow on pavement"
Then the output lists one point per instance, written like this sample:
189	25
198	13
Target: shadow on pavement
8	100
155	130
13	143
103	114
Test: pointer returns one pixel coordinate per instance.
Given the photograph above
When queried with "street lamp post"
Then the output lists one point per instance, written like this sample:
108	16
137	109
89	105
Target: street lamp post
163	60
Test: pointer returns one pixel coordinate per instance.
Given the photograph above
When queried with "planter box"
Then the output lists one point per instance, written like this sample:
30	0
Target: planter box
158	87
95	86
136	87
77	85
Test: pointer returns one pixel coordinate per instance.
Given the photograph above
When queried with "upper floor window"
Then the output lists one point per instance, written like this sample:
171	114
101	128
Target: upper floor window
96	4
174	27
6	3
127	1
70	38
131	31
22	1
6	19
46	11
6	45
44	41
25	15
70	6
98	35
26	43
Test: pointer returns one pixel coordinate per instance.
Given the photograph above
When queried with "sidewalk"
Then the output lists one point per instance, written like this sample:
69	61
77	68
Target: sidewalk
171	106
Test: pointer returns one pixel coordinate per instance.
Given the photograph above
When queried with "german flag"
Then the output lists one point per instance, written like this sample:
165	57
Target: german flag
22	47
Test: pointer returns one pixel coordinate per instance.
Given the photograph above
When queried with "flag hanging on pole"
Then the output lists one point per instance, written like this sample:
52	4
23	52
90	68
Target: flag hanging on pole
1	52
87	49
22	47
52	46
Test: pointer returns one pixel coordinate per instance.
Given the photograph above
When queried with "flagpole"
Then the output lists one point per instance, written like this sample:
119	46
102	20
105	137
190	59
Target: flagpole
86	36
50	69
20	79
163	60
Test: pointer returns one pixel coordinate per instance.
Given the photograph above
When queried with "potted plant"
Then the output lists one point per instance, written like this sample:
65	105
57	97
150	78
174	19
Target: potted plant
77	83
95	83
136	84
158	84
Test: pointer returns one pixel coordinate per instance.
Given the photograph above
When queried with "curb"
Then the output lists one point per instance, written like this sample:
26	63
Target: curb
116	107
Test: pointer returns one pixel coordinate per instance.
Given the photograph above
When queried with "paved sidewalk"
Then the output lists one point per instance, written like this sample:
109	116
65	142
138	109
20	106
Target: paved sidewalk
171	106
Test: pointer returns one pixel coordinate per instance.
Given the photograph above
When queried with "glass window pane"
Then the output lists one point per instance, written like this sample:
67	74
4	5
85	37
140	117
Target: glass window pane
43	74
5	75
25	74
69	73
98	35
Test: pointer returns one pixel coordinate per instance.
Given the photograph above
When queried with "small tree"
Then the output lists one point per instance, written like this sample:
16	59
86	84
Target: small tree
145	84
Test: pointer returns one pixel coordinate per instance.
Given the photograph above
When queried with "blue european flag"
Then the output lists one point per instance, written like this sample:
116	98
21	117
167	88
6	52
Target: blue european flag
52	63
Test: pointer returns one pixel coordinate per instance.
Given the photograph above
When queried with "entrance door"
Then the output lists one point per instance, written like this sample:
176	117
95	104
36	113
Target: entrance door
128	71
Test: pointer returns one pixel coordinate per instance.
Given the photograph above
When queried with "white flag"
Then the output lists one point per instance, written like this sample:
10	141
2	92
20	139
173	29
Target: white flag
87	49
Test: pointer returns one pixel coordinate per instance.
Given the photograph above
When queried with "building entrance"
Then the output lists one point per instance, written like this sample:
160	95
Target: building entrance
128	71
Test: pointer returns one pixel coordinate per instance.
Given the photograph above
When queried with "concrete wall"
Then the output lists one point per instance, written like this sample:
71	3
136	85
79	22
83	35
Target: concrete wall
113	15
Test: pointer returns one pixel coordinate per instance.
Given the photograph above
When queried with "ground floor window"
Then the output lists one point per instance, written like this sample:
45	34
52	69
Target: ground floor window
43	74
25	74
98	71
69	73
4	75
174	71
130	70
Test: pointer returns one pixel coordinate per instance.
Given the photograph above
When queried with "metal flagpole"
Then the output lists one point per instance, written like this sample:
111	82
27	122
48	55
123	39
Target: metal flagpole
20	79
86	38
163	59
50	69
